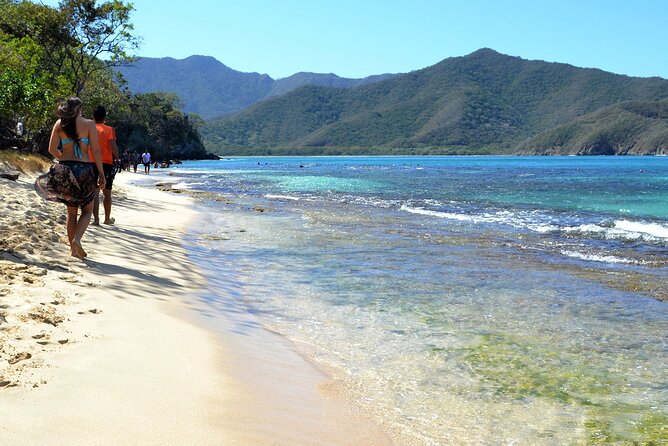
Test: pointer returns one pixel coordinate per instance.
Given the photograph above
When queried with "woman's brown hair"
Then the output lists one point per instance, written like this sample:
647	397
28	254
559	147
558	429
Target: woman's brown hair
68	113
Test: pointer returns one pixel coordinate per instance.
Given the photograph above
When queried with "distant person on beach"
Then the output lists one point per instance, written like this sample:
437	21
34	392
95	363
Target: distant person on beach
106	137
125	160
72	180
146	159
134	160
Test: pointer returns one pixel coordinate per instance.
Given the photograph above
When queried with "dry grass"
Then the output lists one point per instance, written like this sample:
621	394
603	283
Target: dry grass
26	163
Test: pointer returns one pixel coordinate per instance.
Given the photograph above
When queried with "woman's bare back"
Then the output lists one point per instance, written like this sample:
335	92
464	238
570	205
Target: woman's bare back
83	134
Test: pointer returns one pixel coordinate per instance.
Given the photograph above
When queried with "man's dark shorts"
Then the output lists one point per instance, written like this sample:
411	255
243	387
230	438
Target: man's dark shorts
108	174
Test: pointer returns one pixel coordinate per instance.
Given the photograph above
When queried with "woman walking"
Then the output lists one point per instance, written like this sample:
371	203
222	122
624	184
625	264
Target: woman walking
72	180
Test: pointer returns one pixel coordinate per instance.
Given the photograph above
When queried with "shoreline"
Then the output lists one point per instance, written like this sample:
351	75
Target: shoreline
423	348
281	396
277	381
110	348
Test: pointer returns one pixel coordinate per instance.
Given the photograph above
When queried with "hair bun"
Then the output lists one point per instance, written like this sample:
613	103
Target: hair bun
70	109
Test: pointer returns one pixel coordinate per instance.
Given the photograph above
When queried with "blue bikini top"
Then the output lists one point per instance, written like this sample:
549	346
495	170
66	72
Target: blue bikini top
77	148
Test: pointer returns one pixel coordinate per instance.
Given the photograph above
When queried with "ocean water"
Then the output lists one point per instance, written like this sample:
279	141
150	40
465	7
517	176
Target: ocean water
462	300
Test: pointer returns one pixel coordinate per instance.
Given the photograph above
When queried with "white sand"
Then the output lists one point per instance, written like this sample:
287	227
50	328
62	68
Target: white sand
104	351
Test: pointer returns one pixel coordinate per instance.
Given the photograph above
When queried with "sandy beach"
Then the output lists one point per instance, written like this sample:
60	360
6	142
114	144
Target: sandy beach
110	350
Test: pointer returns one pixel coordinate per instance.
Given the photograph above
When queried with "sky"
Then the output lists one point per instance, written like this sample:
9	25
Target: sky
358	38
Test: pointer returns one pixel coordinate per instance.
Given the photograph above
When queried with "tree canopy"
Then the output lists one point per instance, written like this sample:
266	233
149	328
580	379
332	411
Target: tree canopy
48	54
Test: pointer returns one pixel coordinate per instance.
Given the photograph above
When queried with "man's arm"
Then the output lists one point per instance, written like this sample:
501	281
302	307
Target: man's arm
114	149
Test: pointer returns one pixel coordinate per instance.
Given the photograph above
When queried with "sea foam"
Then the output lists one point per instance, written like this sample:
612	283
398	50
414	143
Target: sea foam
656	230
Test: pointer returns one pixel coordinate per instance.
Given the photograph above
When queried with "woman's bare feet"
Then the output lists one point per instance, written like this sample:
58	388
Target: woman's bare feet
77	250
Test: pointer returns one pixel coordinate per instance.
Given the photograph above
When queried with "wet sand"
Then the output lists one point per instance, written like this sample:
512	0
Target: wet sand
110	350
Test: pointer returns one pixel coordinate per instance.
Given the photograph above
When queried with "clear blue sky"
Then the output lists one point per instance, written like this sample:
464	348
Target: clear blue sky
357	38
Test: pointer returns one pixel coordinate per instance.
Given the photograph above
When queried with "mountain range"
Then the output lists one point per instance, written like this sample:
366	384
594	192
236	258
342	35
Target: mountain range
210	89
484	103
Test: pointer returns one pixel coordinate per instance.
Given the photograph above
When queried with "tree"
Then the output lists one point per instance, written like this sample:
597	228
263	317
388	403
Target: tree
26	96
47	54
153	122
46	26
103	36
78	38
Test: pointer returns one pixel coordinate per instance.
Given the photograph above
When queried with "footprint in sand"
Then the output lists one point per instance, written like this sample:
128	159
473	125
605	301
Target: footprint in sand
19	357
57	265
46	315
38	271
58	299
42	338
26	247
70	279
94	311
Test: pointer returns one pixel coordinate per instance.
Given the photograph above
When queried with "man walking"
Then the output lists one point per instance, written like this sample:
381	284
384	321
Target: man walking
146	159
106	137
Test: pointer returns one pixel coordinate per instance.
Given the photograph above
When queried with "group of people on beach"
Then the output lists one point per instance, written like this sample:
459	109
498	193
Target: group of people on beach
87	155
128	160
132	160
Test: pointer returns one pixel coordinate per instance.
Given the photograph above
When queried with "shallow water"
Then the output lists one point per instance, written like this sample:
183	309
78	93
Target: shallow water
466	300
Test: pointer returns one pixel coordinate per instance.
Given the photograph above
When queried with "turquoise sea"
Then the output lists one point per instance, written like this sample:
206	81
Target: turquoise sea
462	300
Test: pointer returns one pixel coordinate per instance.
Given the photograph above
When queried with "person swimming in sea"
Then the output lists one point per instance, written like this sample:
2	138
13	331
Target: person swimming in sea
72	180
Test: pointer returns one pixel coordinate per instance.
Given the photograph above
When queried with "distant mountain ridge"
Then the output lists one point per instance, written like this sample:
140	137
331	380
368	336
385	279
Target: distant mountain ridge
287	84
485	102
211	89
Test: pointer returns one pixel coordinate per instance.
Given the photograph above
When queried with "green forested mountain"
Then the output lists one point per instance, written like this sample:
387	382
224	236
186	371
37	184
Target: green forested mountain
287	84
211	89
625	128
204	85
485	102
